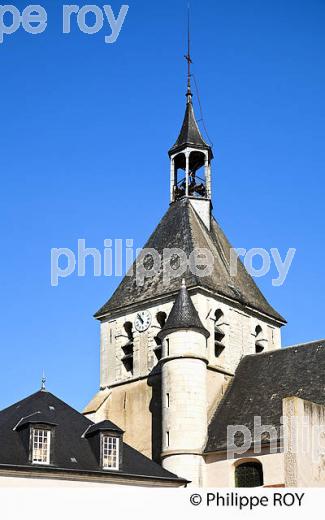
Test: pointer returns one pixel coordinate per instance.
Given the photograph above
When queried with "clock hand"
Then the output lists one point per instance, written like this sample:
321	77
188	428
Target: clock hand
140	318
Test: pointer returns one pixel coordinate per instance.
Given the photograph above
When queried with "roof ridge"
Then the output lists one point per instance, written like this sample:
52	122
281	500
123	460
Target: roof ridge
214	237
42	393
283	349
21	401
210	238
306	344
189	210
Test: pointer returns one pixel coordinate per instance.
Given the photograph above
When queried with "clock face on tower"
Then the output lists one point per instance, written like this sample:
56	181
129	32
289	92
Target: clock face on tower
142	321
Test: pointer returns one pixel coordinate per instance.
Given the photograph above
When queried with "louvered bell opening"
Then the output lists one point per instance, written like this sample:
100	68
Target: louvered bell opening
158	348
127	358
218	338
259	347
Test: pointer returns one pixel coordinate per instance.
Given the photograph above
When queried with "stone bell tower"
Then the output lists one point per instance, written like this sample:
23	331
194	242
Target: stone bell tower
163	399
184	389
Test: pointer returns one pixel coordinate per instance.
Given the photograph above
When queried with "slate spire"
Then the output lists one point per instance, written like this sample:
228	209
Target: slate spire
190	134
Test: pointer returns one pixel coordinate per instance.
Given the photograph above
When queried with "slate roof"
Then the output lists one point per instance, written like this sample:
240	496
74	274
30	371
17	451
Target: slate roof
103	426
35	418
260	383
190	134
183	315
72	450
181	227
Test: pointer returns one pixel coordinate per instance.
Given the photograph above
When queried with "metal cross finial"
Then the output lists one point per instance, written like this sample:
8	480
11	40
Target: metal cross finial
188	56
43	381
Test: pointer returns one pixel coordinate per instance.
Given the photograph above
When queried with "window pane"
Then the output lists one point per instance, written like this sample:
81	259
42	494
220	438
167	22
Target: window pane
41	446
110	452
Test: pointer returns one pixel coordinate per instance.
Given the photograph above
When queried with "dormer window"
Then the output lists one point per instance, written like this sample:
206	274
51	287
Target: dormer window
110	452
41	445
106	441
37	432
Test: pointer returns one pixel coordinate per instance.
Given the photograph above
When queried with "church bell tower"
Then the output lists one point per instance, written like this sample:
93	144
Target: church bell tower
190	161
167	354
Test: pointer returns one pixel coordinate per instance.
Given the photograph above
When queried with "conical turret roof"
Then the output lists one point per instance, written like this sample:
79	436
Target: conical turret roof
183	315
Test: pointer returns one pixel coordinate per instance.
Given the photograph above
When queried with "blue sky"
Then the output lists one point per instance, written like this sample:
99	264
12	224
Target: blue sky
85	129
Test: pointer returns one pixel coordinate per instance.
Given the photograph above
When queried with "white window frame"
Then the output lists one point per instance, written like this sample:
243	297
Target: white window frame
108	443
39	436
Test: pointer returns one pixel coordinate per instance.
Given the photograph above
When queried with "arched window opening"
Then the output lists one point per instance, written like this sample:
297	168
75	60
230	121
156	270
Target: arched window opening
218	334
249	474
197	182
158	348
196	186
179	179
161	318
128	327
259	347
127	349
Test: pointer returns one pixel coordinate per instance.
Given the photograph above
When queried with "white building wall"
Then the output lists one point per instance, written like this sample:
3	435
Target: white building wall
30	482
189	465
63	481
304	433
220	472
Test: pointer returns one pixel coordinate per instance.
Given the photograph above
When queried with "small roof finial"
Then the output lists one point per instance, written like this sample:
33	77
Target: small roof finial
43	382
188	56
183	282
